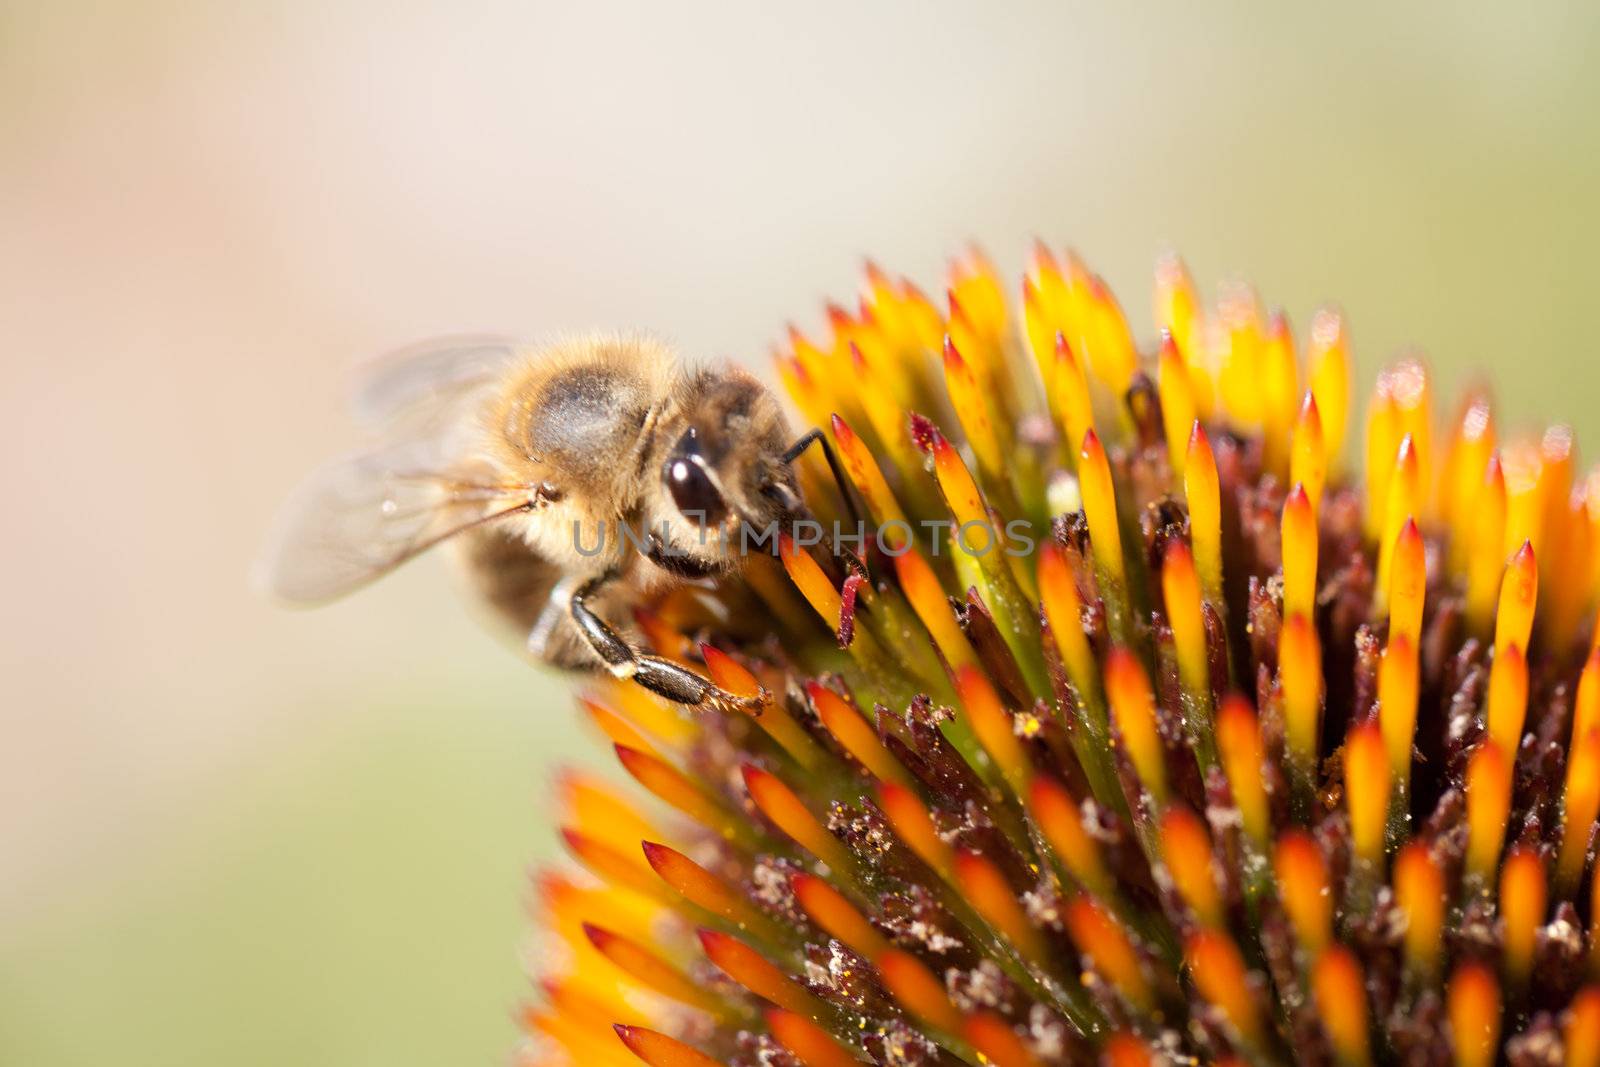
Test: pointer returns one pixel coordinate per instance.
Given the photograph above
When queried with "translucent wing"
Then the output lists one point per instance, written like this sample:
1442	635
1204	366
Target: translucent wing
426	384
357	518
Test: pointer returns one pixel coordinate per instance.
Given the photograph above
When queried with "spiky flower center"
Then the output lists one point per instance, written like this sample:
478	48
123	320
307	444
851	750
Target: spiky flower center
1153	732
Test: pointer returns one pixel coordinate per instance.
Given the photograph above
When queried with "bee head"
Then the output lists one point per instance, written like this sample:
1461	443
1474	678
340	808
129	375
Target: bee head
727	463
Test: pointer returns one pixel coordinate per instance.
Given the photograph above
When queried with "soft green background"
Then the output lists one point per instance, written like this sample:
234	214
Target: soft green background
229	834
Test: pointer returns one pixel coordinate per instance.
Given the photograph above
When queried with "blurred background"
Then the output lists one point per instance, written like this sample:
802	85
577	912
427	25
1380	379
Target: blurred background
231	831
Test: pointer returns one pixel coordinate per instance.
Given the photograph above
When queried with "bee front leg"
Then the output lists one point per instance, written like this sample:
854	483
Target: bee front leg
660	676
817	437
853	513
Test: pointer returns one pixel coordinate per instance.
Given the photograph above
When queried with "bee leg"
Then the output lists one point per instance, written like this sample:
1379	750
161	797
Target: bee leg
660	676
817	437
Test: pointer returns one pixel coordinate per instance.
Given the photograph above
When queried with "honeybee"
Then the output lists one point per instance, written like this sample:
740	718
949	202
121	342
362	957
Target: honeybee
536	465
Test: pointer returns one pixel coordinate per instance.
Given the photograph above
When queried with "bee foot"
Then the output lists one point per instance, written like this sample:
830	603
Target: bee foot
725	701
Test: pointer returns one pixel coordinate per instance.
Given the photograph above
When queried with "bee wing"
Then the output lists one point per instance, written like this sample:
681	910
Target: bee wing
424	384
358	518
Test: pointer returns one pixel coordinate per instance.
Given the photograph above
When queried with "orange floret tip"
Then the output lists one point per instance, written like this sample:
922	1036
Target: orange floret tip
1366	785
1299	533
699	886
993	726
968	399
671	785
997	1042
753	971
1069	391
1177	302
809	578
1220	976
1408	582
1126	1050
1486	557
932	606
1341	996
807	1041
1488	789
1300	677
1280	389
659	1050
1523	899
1133	705
868	479
1178	410
616	729
1507	706
1419	892
1581	1034
1180	586
1580	806
1586	705
1308	454
1328	356
855	734
1302	876
648	969
1472	441
1100	505
595	805
1473	1007
1402	501
1058	590
961	493
1239	747
1186	849
1111	955
917	990
611	864
1398	688
1061	821
1382	443
788	813
829	909
912	823
986	888
1412	392
1519	593
1203	496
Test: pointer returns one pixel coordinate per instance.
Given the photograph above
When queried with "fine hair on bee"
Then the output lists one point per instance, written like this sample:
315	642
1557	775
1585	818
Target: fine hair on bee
515	456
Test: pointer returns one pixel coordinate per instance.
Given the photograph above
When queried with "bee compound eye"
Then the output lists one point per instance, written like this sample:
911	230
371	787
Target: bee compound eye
694	493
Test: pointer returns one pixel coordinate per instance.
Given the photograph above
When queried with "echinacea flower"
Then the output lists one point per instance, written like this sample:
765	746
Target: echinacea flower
1148	724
